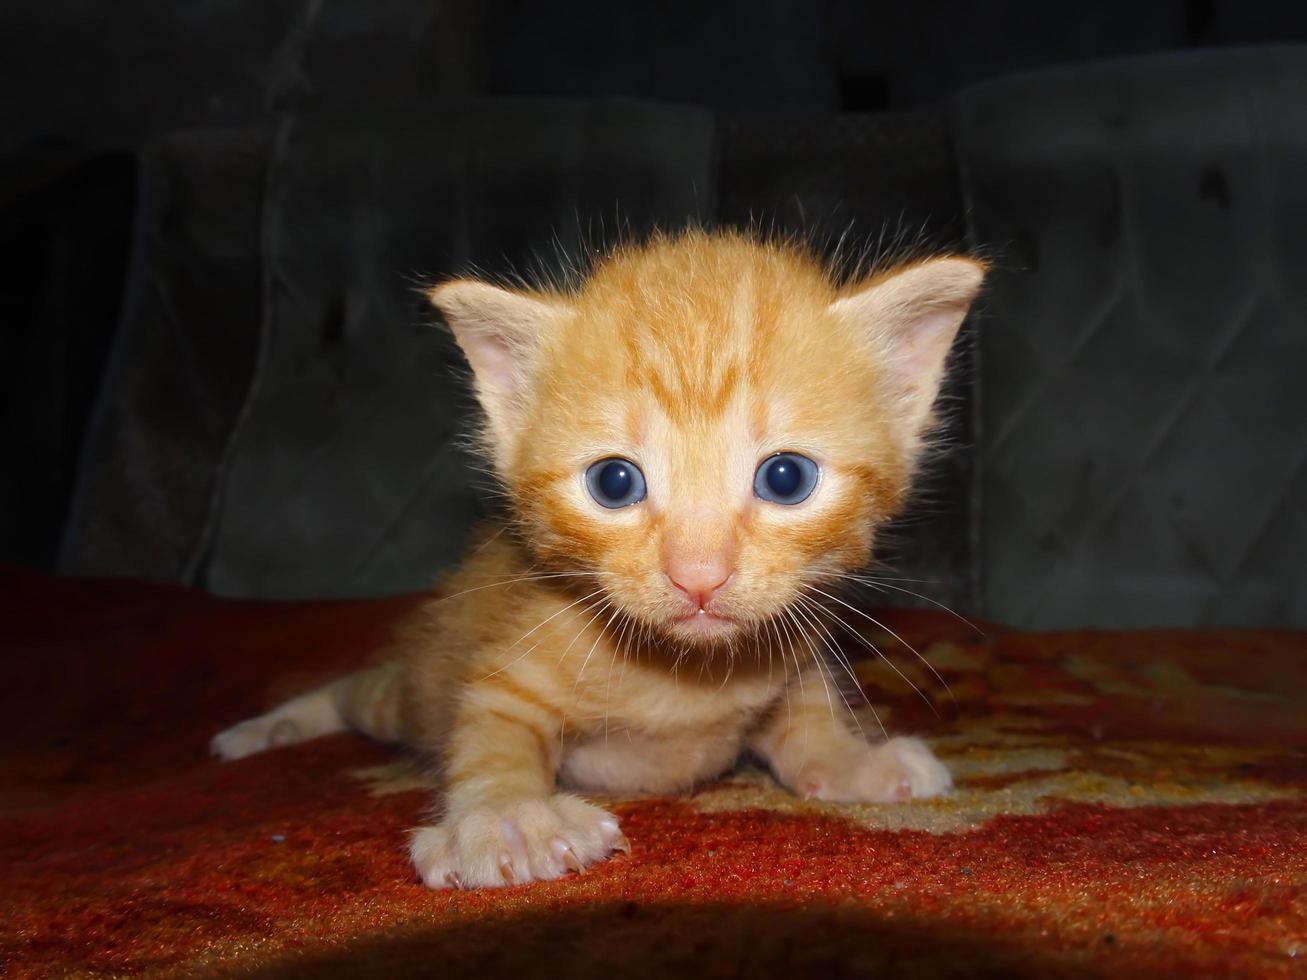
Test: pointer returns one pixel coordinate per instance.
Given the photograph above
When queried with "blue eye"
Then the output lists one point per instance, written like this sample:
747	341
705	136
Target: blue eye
615	483
786	478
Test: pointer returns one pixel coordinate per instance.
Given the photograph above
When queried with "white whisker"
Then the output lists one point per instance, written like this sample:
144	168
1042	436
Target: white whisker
881	625
816	657
536	627
798	674
608	686
514	581
823	635
878	583
876	650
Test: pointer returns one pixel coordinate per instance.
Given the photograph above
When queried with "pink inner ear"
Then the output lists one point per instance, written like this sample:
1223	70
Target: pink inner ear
494	362
925	343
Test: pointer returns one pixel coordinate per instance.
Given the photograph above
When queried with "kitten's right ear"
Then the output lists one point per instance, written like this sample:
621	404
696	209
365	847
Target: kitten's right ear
499	331
913	315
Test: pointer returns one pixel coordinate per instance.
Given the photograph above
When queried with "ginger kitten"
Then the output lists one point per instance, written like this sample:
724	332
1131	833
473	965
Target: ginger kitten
693	443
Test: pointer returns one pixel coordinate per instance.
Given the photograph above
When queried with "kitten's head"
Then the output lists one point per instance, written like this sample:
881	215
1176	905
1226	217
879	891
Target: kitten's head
708	423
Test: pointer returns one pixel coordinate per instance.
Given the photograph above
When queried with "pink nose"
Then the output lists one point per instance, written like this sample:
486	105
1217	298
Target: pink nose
699	579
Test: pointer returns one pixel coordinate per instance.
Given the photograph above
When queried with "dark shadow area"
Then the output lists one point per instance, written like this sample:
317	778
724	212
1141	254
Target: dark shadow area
66	220
637	941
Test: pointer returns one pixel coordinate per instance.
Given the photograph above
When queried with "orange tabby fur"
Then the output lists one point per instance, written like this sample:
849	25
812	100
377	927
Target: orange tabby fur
564	650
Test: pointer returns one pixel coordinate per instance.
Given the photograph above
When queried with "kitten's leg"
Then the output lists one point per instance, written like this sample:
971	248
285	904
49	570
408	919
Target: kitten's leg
367	701
504	821
814	753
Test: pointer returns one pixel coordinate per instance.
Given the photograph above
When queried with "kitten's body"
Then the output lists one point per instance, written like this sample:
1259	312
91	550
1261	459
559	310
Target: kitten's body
643	648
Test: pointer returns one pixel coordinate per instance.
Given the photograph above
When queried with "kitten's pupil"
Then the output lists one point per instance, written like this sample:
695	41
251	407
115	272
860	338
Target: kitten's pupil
783	477
615	480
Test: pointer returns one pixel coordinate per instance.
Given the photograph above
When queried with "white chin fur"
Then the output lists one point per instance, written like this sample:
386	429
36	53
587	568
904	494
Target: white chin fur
703	627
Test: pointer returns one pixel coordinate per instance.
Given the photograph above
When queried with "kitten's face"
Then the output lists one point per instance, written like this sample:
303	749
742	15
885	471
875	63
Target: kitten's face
707	425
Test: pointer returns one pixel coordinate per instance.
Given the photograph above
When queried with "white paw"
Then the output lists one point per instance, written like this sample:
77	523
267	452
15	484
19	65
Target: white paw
534	840
896	771
255	735
926	775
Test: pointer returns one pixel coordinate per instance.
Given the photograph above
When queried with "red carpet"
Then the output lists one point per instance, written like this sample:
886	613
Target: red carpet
1129	804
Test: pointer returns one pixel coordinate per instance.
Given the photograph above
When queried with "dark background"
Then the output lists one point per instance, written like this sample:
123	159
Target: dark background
213	369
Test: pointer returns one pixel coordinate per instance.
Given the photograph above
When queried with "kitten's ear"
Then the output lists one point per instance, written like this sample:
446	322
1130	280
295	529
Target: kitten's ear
499	330
913	316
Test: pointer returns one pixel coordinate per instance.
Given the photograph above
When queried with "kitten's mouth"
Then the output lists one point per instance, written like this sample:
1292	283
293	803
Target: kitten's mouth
704	624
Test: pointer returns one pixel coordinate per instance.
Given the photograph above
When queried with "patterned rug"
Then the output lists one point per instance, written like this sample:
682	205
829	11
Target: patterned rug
1128	804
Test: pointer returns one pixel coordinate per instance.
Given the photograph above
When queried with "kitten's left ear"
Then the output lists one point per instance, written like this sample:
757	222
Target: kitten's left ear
913	316
499	331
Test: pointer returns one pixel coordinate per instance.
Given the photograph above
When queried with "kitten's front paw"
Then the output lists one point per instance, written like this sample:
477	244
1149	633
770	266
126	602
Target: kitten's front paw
533	840
896	771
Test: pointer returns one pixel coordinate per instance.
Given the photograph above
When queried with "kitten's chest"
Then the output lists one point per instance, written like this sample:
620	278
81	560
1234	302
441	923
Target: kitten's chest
657	701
